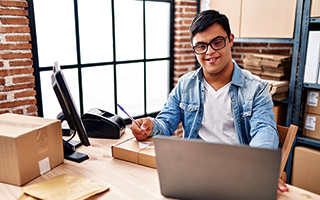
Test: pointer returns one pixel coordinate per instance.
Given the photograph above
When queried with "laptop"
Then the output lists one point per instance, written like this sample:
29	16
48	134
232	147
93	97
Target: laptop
195	169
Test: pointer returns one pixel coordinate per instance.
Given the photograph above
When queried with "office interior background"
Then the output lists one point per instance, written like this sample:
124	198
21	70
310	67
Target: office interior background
132	52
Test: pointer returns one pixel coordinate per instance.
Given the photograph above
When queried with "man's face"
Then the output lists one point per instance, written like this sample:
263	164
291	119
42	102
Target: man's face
214	62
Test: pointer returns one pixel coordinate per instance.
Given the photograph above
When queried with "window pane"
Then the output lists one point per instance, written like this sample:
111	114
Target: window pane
98	88
51	106
130	89
157	29
95	27
55	32
129	29
157	85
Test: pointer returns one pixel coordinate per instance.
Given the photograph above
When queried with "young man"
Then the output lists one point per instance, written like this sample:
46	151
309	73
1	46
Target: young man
219	102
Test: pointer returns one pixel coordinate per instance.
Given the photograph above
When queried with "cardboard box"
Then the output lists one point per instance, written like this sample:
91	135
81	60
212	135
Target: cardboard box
268	19
279	111
315	8
232	9
131	150
312	102
305	169
29	147
311	127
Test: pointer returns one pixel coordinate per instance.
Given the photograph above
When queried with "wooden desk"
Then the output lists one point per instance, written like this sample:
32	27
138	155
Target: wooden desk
126	180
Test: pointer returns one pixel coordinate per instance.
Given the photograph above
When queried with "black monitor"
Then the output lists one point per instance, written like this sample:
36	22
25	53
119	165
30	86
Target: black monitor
71	114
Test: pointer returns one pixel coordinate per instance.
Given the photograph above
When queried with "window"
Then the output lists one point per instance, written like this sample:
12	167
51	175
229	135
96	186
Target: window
110	52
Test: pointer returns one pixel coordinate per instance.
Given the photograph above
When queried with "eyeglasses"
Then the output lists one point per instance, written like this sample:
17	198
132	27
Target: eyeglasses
216	44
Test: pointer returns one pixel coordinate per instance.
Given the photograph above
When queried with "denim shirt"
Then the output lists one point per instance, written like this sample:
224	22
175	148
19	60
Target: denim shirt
251	107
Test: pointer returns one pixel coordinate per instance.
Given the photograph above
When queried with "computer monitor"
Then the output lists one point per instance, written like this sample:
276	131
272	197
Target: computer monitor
71	114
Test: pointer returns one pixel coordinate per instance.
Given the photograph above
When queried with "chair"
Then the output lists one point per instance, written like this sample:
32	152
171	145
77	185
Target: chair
286	137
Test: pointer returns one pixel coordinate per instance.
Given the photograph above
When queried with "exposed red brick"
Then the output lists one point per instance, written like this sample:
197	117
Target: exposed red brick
15	38
183	3
275	51
32	108
19	46
254	44
26	79
3	97
18	12
3	72
24	102
21	63
1	64
14	29
15	55
16	71
18	87
27	93
17	111
14	21
2	81
4	111
22	4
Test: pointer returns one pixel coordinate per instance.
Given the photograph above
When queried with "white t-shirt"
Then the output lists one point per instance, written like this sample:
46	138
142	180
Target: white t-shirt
217	123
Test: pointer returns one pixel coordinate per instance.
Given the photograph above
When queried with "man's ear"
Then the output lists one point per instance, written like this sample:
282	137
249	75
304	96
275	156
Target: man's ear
231	39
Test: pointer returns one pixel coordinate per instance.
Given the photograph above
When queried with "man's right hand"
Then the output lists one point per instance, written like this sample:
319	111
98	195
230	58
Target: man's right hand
146	128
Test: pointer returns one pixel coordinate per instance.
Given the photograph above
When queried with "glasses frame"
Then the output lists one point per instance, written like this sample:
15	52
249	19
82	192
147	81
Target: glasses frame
207	44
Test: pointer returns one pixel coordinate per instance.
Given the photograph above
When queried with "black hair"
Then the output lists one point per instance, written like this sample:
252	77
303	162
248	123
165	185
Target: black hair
206	19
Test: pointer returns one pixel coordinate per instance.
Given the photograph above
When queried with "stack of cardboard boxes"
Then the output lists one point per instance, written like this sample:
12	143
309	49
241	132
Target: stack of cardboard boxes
306	161
273	68
268	66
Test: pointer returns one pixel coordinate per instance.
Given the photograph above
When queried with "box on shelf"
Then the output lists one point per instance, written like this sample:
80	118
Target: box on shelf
131	150
305	169
311	125
279	111
312	102
315	8
272	19
268	66
29	147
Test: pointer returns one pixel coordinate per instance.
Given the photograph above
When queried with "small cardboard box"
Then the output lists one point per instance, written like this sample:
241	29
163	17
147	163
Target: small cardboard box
131	150
29	147
279	111
312	102
311	127
305	169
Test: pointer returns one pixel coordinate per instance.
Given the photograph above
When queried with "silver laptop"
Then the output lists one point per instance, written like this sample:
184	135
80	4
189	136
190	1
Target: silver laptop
194	169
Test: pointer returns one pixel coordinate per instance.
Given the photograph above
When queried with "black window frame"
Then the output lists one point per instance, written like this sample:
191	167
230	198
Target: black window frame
79	65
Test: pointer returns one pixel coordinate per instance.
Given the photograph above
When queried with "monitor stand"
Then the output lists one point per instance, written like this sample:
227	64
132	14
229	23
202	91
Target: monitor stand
69	150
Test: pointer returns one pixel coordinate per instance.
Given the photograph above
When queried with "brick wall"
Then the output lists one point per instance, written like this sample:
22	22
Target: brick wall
17	94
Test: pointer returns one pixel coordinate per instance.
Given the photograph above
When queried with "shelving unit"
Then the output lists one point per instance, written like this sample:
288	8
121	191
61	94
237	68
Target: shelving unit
301	86
295	41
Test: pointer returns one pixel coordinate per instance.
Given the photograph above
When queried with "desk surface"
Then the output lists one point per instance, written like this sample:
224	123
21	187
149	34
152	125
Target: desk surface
126	180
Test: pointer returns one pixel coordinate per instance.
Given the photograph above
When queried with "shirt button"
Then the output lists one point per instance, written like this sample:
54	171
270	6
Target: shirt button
233	99
242	116
238	121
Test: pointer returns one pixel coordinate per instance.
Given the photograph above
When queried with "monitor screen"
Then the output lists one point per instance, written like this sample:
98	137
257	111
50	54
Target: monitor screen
69	110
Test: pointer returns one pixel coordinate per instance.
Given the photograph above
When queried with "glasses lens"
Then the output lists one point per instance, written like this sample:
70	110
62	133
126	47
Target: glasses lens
218	43
200	48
